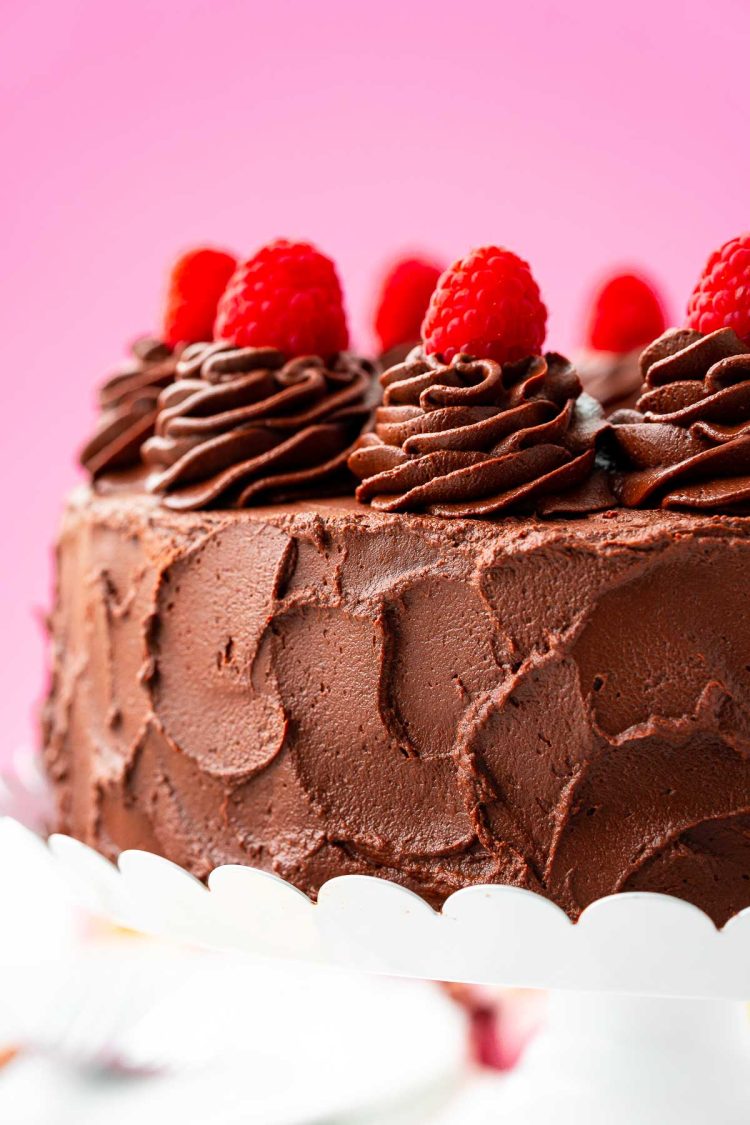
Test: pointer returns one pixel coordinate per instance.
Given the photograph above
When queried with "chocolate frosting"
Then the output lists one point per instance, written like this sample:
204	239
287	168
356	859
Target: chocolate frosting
399	353
474	438
322	688
128	404
242	426
687	445
613	378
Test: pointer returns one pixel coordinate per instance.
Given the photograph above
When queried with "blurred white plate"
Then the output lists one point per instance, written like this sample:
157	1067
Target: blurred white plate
248	1041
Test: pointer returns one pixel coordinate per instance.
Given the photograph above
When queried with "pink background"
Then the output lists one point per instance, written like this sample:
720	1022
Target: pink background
580	134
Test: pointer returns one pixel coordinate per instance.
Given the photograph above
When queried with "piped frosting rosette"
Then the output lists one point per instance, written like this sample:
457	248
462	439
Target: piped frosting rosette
244	425
128	408
474	438
687	445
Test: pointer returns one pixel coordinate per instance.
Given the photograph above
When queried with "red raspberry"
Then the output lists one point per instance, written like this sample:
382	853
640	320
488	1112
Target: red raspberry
487	305
288	296
626	313
196	282
404	296
721	299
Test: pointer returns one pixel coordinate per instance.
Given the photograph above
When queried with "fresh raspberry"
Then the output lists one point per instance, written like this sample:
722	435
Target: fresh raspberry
488	306
288	296
196	282
404	296
721	299
626	313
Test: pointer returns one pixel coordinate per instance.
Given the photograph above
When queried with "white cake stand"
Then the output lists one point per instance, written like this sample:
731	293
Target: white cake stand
646	1022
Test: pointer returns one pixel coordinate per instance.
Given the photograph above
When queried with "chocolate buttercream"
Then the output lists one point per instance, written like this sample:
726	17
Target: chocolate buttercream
323	688
242	426
474	438
687	444
613	378
399	353
128	404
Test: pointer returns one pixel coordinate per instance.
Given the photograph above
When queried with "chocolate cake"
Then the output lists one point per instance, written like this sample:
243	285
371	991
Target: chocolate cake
519	655
322	688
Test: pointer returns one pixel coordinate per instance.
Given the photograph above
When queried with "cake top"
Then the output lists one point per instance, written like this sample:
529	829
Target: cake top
254	397
687	443
476	421
249	394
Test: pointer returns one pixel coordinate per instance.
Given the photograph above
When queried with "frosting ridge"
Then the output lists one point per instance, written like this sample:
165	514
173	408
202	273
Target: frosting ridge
128	405
242	425
687	443
473	438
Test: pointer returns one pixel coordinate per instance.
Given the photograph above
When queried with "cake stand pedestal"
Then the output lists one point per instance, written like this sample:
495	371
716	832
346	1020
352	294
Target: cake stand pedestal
646	1022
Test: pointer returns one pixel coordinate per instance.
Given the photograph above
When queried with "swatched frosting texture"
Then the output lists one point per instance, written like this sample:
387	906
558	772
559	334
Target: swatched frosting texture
688	443
128	405
323	688
242	426
474	438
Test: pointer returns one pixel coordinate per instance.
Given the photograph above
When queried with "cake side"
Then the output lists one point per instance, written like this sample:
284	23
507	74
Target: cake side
323	688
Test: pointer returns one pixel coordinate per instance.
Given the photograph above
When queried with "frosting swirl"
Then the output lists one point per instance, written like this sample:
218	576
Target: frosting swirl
687	445
128	405
244	425
472	438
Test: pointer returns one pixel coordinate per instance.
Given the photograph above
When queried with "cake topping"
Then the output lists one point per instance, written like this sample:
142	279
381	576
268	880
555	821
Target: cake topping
688	443
402	303
272	408
128	403
288	296
721	298
486	305
626	314
196	282
475	434
473	438
245	425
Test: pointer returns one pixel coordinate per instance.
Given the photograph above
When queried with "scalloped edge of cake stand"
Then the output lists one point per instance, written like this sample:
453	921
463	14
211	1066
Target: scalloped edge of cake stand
640	943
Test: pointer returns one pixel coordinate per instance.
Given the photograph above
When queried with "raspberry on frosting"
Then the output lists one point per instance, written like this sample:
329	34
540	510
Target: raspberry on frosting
721	298
287	296
402	302
486	305
627	313
196	282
